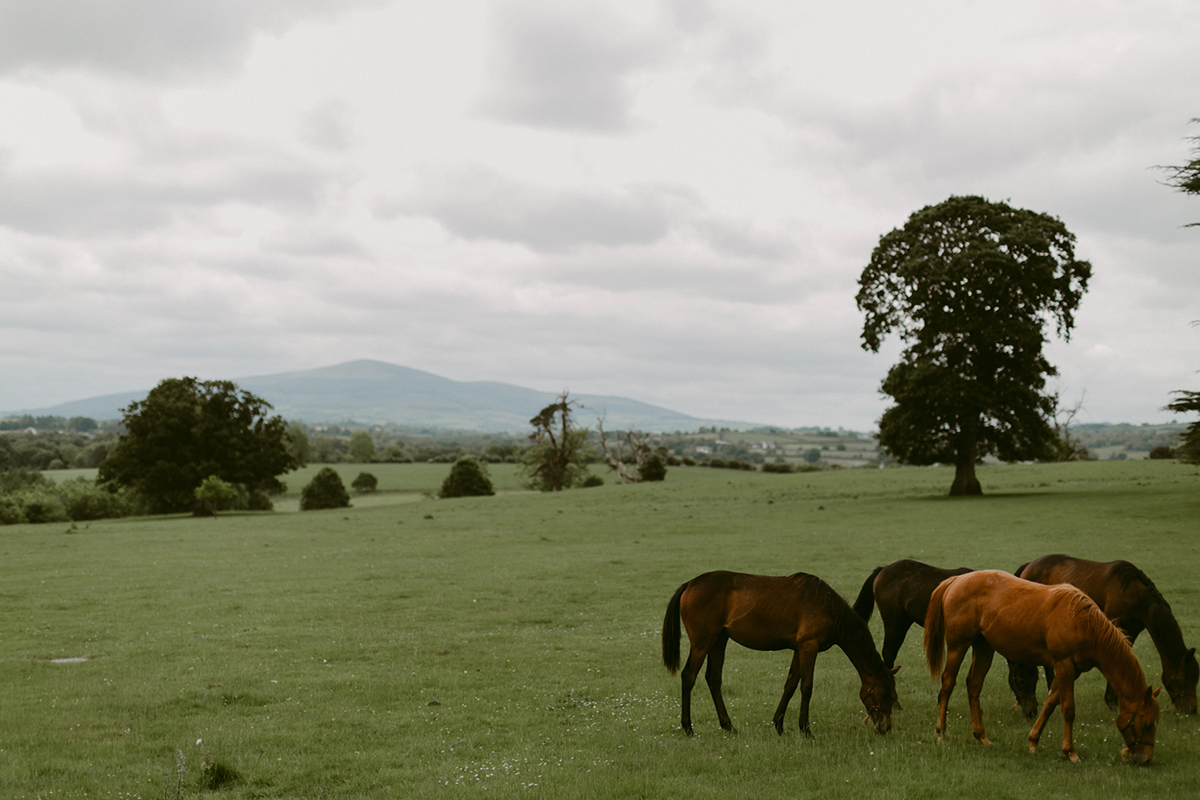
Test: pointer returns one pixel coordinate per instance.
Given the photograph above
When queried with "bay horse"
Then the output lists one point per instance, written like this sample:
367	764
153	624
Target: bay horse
798	612
1133	603
991	611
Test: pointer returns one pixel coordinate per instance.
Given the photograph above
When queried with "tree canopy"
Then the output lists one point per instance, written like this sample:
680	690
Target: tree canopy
969	286
186	430
1186	178
1189	450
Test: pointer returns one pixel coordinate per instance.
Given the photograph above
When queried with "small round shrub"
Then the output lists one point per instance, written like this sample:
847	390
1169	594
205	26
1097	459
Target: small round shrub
326	490
718	463
688	461
365	482
467	478
653	469
592	480
781	468
1162	451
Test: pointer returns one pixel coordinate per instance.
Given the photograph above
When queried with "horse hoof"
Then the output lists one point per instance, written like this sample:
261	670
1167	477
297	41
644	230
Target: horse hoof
1072	756
1033	748
982	739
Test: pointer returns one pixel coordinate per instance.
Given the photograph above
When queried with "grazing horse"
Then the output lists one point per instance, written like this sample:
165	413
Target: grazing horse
901	589
1131	601
799	612
1055	626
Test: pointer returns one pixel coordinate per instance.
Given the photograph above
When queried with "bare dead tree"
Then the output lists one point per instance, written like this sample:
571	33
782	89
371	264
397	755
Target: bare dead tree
639	444
1069	449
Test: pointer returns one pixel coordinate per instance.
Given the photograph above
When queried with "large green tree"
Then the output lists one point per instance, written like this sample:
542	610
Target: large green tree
186	430
969	285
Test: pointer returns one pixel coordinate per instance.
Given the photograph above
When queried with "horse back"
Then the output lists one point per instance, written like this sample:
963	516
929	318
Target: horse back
1120	589
903	588
762	612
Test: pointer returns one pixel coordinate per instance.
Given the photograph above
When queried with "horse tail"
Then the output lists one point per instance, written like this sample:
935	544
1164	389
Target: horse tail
935	629
866	598
1021	568
670	632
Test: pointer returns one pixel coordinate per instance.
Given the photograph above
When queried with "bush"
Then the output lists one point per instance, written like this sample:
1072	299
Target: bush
326	490
653	469
84	500
42	505
592	480
365	482
467	478
1162	451
688	461
213	495
718	463
781	468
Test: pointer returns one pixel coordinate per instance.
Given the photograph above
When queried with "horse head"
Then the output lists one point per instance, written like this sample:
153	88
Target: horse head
1023	680
1181	684
1137	722
879	696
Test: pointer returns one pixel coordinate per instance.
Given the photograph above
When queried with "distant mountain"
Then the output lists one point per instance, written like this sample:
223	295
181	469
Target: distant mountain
372	392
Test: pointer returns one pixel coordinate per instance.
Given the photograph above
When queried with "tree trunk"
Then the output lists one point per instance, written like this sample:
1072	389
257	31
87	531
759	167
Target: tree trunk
965	483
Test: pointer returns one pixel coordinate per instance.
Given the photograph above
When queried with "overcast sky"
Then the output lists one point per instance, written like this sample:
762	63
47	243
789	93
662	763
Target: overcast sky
669	201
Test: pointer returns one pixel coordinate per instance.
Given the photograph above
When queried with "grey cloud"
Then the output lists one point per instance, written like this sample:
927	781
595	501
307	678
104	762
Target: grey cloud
68	204
328	126
146	38
564	69
477	203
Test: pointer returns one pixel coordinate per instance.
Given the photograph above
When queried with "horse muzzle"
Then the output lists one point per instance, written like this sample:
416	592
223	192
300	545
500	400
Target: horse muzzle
1141	754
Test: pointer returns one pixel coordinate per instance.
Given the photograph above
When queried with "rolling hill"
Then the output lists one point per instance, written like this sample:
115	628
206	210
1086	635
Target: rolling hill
374	392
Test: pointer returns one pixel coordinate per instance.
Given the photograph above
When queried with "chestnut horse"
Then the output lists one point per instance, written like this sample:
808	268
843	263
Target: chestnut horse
799	612
1133	603
1055	626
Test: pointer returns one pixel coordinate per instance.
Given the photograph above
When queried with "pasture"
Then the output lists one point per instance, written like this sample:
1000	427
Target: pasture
509	646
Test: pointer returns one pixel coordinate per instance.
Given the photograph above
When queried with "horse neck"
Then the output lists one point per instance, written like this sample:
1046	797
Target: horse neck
1121	668
856	642
1164	631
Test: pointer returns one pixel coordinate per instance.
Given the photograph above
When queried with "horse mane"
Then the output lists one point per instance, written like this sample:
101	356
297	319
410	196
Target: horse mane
1127	573
1107	635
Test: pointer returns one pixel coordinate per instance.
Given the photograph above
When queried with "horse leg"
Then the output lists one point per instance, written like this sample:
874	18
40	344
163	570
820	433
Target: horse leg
1053	698
712	676
895	628
1067	693
688	679
981	662
954	659
799	674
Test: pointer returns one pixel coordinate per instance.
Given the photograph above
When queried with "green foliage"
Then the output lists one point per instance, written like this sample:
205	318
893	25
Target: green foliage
592	481
653	469
1188	450
812	455
361	447
297	443
186	430
780	468
213	495
1186	178
560	452
467	478
969	285
1162	451
27	496
326	490
365	482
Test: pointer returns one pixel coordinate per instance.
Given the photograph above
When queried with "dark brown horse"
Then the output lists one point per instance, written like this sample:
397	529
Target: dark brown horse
902	590
799	612
1129	599
1055	626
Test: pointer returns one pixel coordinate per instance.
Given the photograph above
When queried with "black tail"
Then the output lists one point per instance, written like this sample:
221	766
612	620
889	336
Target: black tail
1021	568
865	603
670	633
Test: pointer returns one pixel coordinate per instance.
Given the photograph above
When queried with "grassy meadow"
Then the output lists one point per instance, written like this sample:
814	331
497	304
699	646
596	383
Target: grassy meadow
509	646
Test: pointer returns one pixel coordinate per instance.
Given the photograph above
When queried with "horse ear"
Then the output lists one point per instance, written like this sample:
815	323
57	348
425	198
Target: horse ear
895	669
1154	693
1192	652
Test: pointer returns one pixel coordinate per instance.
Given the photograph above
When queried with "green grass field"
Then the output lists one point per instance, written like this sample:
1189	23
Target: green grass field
509	646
